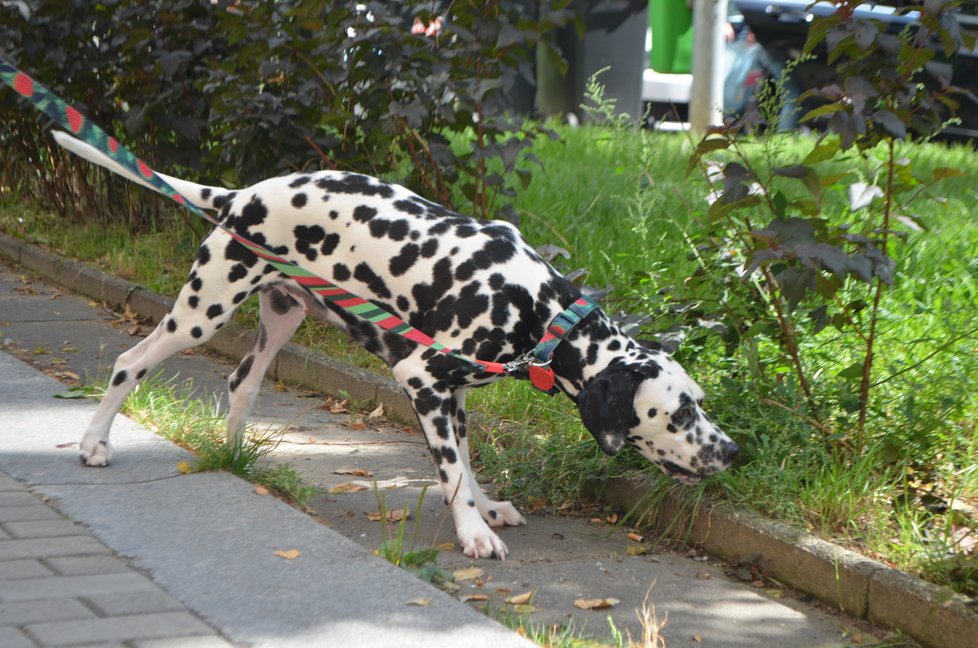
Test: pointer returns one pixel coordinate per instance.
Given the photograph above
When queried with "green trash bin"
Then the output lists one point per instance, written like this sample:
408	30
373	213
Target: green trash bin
672	36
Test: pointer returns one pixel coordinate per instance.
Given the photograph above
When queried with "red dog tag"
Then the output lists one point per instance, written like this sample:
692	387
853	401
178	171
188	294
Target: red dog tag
542	377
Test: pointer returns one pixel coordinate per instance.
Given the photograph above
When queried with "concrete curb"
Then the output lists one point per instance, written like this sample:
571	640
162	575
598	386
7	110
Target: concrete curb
931	614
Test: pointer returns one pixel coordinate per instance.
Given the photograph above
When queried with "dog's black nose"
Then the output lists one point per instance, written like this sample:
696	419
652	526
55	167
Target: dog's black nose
728	451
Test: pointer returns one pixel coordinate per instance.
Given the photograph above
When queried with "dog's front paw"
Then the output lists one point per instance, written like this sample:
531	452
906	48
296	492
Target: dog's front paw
95	454
481	543
503	514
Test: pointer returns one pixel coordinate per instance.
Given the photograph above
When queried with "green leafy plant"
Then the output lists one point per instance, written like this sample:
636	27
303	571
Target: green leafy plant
772	218
400	550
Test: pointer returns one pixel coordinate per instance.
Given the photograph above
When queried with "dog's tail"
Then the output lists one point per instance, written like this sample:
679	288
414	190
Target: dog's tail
200	195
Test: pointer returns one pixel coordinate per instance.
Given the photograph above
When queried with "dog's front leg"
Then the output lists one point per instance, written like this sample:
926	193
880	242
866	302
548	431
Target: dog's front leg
434	413
495	513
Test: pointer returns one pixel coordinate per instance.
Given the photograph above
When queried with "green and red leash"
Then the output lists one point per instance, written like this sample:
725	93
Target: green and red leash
536	362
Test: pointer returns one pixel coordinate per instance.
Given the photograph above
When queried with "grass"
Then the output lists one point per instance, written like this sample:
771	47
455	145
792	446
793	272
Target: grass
175	411
622	207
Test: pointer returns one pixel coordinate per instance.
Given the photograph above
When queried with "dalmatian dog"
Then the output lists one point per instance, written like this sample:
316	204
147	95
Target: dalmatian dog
474	286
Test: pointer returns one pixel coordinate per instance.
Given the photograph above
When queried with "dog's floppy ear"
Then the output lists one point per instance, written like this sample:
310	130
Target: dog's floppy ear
607	406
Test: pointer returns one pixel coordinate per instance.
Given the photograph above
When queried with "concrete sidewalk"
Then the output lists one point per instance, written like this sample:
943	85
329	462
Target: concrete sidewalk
202	546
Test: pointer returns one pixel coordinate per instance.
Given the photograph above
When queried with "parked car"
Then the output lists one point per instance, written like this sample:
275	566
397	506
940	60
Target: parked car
781	27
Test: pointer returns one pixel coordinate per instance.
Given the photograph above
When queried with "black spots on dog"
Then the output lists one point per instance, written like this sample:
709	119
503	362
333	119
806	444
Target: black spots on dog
205	194
171	325
241	372
355	183
403	304
496	281
427	295
281	303
306	238
408	207
396	230
652	413
375	283
193	301
427	401
329	244
262	337
493	514
465	230
299	200
439	228
252	215
341	272
614	345
214	310
471	503
299	181
449	454
196	332
442	427
592	353
196	284
415	382
238	272
363	213
224	203
237	252
442	475
429	248
684	417
239	297
203	255
141	374
671	428
119	378
404	260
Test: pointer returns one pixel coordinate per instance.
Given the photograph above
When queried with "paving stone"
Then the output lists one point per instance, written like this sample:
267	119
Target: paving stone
86	565
36	511
17	498
28	589
10	484
14	638
11	569
212	641
127	628
48	547
134	603
24	612
43	528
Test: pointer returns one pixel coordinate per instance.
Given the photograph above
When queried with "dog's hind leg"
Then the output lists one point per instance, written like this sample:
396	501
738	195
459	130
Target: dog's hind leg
494	513
204	305
280	315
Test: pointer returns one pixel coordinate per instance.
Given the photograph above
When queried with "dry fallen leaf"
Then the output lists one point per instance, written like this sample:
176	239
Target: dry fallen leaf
347	487
355	472
703	575
183	467
467	573
377	413
358	425
520	599
288	554
420	602
447	546
474	597
392	516
596	603
261	490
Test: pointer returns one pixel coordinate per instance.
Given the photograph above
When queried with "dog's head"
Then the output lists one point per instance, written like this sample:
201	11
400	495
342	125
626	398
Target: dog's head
655	406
